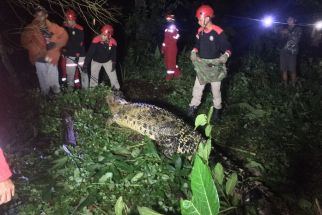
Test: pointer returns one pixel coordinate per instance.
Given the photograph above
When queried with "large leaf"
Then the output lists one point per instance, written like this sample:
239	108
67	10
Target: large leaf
204	150
147	211
205	196
119	206
188	208
231	183
201	120
219	173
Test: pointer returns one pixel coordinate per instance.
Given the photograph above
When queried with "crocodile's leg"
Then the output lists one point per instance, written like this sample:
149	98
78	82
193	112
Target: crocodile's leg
168	145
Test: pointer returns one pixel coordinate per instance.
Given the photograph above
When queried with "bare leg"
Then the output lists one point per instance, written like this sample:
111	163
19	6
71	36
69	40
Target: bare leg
284	78
293	78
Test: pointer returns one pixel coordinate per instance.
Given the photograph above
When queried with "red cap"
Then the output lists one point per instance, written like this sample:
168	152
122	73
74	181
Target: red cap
204	11
70	15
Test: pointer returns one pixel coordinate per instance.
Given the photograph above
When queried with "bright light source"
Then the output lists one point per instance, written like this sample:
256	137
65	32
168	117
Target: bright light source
318	25
268	21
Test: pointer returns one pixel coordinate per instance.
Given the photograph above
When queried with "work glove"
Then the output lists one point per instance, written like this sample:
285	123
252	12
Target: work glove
193	56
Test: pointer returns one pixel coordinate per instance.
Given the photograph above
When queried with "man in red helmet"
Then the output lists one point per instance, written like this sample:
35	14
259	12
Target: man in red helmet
73	54
7	188
209	57
102	53
169	48
44	40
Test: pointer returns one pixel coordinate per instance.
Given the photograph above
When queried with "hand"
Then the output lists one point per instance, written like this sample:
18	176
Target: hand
162	50
51	45
48	59
193	56
7	191
84	68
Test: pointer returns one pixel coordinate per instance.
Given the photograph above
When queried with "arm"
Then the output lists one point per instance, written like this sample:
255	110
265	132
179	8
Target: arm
7	188
60	36
89	55
193	55
225	48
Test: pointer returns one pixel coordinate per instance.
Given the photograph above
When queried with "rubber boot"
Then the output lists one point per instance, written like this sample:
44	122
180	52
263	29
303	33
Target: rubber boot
192	111
216	115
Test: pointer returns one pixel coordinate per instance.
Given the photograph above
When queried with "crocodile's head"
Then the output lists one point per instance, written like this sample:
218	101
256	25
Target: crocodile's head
115	101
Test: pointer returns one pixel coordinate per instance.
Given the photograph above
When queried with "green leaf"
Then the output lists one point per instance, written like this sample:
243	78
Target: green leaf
231	183
188	208
137	177
60	162
204	150
208	130
219	173
147	211
201	120
205	196
211	110
304	204
106	176
119	206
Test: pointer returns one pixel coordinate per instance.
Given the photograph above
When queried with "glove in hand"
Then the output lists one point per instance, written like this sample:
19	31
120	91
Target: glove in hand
193	56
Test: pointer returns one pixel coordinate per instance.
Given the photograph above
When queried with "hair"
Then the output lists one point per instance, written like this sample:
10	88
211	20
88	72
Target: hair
40	8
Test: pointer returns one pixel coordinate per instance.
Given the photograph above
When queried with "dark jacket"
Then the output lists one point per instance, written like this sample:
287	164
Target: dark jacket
211	43
75	45
101	51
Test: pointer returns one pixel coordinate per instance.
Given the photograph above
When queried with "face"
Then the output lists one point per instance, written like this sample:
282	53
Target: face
291	21
104	37
202	21
41	16
71	22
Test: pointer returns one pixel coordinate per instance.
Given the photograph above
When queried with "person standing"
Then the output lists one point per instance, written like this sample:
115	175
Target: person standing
316	44
44	40
73	53
169	48
7	188
290	38
102	53
209	56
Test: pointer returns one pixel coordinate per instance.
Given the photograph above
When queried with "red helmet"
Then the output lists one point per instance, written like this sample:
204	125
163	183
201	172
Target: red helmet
107	30
204	11
169	17
70	15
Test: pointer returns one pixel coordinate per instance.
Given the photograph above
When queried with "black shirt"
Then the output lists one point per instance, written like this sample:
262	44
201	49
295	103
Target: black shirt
101	51
211	43
75	44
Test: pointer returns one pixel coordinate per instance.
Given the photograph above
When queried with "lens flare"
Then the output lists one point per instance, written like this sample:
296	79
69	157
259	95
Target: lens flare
318	25
268	21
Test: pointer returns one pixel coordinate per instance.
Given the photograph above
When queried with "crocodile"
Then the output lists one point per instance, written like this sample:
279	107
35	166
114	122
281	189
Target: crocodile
172	134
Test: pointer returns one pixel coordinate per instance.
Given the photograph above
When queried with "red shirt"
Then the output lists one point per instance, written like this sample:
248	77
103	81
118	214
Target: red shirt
5	172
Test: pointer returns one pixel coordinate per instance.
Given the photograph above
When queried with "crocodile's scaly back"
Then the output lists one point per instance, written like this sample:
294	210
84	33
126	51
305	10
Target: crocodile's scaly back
172	134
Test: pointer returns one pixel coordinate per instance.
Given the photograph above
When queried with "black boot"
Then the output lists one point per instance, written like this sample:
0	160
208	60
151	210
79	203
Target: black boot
192	111
216	115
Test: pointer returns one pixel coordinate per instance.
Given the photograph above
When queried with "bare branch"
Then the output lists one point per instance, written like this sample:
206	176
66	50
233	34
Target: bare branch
88	10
